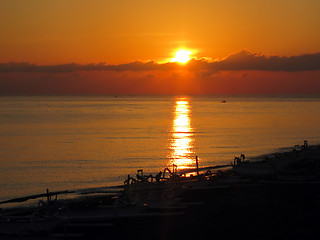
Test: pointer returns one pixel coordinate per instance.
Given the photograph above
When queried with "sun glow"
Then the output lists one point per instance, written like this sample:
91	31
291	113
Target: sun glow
182	137
182	56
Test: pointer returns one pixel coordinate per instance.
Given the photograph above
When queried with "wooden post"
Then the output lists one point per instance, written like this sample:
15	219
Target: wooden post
174	168
48	195
197	165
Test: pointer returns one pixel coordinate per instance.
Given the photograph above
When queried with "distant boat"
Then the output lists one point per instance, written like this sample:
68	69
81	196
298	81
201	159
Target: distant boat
223	101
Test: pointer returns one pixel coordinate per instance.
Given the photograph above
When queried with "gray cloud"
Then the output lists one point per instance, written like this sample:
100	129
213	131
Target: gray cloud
248	61
71	67
240	61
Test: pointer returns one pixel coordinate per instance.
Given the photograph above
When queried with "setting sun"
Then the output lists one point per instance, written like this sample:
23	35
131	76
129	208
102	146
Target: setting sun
182	56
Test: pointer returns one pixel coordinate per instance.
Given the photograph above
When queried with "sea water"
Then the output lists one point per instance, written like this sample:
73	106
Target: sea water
72	142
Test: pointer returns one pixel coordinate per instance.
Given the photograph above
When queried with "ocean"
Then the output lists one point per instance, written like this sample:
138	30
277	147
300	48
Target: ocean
75	142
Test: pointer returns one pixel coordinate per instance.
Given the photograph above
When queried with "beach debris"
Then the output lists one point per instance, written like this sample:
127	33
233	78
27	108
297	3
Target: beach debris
300	164
48	195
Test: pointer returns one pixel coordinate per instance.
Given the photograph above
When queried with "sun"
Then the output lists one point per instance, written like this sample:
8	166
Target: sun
182	56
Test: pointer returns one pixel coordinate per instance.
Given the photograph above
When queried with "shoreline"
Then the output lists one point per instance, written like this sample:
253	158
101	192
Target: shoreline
80	193
254	207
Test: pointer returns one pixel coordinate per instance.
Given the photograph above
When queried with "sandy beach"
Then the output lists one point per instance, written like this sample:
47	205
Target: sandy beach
220	205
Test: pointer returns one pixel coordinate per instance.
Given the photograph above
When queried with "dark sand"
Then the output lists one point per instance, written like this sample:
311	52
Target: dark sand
245	208
251	210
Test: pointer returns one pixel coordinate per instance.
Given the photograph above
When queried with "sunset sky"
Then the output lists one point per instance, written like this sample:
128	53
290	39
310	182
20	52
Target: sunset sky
128	47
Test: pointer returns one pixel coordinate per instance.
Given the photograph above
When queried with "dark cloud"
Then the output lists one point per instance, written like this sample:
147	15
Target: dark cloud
28	67
248	61
239	61
140	66
71	67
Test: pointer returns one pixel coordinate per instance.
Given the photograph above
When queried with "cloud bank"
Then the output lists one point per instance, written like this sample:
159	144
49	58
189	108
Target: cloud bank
247	61
240	73
236	62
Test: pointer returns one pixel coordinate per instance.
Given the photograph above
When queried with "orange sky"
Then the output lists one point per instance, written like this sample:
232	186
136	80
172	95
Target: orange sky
114	33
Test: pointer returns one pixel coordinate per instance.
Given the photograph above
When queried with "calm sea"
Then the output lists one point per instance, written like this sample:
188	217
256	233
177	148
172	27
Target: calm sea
72	142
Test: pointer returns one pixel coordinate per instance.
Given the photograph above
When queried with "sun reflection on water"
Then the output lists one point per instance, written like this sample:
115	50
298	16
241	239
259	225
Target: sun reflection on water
182	151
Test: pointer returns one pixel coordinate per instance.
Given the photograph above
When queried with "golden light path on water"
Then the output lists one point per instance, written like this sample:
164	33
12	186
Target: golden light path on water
182	150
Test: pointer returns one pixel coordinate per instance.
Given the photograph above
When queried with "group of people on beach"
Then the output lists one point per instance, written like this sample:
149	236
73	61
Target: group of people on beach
238	160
